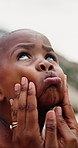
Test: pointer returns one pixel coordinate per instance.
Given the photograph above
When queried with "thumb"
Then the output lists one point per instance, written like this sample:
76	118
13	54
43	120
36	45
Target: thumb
51	131
66	106
62	126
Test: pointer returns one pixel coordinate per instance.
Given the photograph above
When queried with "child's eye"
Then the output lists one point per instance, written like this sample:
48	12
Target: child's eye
50	57
23	56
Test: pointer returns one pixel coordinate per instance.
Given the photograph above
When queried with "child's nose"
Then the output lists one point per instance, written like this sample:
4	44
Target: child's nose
44	66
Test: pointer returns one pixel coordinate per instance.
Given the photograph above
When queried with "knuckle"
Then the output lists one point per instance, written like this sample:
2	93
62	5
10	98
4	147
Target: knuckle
23	88
30	107
17	93
30	92
22	106
14	112
51	127
16	96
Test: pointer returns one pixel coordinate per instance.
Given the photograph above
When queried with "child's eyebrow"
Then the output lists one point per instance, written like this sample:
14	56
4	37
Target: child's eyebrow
31	45
26	45
23	45
47	48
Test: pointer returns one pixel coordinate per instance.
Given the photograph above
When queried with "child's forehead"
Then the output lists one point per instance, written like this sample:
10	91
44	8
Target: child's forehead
26	35
23	36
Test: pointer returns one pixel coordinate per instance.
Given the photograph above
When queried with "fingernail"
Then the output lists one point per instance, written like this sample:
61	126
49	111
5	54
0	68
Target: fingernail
23	81
31	84
17	87
51	115
58	111
11	102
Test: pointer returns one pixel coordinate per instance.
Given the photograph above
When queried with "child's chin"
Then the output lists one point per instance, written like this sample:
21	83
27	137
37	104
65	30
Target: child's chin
49	100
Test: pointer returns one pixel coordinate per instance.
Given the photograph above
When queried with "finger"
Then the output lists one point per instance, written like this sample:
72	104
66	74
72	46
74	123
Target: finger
31	109
51	130
66	106
66	98
21	118
62	126
14	104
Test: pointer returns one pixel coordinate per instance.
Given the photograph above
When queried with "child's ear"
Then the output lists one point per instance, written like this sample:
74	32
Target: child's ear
1	96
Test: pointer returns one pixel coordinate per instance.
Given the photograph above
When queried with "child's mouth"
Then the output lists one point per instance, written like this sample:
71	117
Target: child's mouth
52	81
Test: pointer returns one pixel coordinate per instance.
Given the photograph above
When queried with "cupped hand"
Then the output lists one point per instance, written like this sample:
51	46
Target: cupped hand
24	112
26	131
61	125
61	130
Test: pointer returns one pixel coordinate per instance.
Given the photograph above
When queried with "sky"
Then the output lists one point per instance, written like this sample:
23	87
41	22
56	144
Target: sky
57	19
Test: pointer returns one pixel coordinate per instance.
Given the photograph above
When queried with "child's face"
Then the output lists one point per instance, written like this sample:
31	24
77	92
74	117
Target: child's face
29	54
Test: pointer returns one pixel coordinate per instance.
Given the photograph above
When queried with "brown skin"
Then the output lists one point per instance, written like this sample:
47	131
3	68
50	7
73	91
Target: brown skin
61	125
60	132
27	53
40	62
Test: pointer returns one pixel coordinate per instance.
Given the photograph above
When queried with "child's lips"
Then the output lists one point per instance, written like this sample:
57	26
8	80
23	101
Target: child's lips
52	79
49	81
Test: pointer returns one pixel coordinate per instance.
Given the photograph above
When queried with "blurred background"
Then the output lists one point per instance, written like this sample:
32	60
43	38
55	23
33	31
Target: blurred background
58	20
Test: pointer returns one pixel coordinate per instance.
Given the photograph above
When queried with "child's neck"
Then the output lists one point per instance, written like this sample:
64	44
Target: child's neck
41	116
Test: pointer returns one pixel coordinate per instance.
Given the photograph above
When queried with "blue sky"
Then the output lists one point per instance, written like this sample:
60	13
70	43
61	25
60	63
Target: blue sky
57	19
